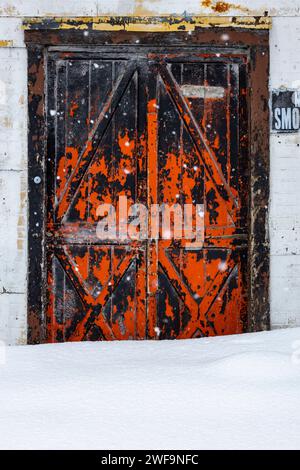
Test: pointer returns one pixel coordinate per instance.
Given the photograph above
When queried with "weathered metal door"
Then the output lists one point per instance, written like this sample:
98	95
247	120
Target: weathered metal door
159	129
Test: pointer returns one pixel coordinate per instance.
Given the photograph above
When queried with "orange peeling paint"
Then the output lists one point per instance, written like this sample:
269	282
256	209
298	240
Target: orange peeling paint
73	108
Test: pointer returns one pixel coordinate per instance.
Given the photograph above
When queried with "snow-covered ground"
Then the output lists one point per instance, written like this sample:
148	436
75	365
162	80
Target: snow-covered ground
213	393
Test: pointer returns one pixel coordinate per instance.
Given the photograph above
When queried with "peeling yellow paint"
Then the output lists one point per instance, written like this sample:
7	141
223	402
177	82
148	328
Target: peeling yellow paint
66	25
150	24
6	43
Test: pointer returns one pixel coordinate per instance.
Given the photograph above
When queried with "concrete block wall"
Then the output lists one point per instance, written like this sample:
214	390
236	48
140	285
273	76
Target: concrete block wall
284	220
285	182
13	192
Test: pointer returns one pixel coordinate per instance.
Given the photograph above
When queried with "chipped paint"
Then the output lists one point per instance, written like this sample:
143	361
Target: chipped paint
129	288
21	225
150	24
6	122
6	43
9	10
284	219
223	7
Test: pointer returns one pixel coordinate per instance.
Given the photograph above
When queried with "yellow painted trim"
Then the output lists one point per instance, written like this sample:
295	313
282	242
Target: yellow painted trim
6	43
149	24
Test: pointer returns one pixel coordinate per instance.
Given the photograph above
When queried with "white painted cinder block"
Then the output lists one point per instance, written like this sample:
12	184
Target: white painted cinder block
285	150
13	108
22	8
11	30
285	186
13	329
13	241
13	183
13	231
285	290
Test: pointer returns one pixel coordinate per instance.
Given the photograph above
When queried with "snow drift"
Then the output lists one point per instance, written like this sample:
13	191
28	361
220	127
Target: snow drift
235	392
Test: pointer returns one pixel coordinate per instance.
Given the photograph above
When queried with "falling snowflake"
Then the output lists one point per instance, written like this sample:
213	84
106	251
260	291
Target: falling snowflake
157	330
166	234
225	37
222	266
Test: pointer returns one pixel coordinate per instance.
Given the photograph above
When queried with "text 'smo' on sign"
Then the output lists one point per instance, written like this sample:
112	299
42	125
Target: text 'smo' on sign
286	110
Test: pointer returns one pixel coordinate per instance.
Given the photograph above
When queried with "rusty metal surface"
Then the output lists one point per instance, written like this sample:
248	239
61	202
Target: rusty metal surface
127	112
36	171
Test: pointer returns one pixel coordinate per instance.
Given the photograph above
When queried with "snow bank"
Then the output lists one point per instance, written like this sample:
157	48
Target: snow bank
213	393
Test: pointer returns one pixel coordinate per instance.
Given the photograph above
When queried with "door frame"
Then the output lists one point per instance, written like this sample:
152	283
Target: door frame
255	42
